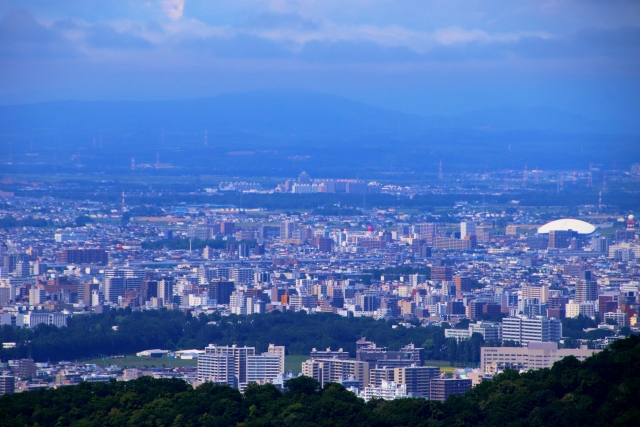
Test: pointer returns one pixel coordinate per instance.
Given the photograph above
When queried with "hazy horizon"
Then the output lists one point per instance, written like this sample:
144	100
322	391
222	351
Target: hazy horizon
426	58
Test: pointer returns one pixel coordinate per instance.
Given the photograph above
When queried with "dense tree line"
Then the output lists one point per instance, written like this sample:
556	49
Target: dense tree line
603	390
9	221
94	335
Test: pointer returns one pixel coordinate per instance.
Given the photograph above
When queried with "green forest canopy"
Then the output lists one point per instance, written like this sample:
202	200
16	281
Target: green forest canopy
603	390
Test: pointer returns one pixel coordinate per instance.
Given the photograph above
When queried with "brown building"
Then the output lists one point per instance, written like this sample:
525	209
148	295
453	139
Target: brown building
442	273
324	244
441	388
84	256
463	283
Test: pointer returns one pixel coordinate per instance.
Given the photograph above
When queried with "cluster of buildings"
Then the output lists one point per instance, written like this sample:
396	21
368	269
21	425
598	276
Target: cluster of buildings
511	274
376	372
17	376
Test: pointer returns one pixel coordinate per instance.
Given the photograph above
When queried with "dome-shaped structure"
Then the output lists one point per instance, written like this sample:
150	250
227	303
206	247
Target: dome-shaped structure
580	227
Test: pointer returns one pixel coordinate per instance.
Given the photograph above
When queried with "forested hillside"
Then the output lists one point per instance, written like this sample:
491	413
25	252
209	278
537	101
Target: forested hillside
93	335
604	390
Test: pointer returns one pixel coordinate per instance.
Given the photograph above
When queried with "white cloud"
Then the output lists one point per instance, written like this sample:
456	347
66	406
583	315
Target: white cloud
173	8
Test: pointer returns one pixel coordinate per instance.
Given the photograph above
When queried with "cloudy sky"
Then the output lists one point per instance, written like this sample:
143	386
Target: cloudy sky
422	56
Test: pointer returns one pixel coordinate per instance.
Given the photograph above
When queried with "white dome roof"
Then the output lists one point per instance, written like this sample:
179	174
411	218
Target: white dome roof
576	225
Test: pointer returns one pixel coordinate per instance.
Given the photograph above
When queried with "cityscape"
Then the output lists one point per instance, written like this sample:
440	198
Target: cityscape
298	213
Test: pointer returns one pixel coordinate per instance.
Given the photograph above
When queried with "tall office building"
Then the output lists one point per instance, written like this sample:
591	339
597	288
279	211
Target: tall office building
287	229
221	291
115	287
427	230
85	290
241	275
559	239
467	228
586	290
600	244
7	384
165	289
463	283
37	296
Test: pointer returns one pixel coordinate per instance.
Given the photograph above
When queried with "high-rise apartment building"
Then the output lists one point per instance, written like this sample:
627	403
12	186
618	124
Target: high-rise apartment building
263	367
526	329
442	388
217	368
239	355
336	370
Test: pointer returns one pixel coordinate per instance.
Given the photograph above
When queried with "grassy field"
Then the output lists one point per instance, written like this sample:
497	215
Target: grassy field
293	362
137	362
444	365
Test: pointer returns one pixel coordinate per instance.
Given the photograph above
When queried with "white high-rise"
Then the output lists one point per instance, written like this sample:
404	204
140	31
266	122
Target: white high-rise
466	228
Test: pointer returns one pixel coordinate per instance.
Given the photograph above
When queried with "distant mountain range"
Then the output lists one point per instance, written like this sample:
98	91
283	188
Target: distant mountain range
270	112
296	131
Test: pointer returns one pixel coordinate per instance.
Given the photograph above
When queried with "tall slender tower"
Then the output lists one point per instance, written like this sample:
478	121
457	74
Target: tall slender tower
133	163
590	181
525	176
600	200
537	173
440	175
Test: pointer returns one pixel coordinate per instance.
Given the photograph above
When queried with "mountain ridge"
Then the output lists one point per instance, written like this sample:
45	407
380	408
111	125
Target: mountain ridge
268	112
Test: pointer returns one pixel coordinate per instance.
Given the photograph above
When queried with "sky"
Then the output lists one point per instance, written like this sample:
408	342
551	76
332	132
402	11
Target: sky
438	57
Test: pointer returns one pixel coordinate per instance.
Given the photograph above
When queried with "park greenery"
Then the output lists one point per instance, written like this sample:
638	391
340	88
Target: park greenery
94	336
603	390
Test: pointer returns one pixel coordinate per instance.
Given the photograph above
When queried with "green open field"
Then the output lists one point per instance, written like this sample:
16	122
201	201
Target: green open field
293	362
444	365
137	362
